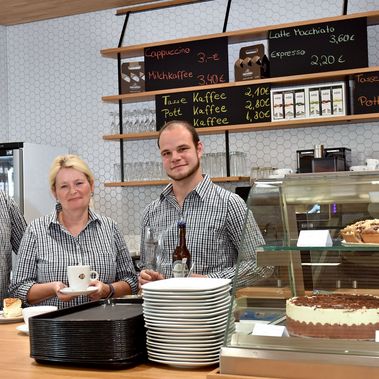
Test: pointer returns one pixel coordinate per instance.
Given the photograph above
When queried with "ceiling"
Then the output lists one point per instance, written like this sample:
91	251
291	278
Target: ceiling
14	12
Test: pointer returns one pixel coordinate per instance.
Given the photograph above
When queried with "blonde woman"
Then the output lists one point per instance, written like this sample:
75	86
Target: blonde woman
73	234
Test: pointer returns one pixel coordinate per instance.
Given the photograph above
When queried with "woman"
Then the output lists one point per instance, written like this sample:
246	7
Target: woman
73	234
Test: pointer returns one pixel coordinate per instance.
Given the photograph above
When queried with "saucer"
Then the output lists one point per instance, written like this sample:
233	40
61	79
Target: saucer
74	292
8	320
23	328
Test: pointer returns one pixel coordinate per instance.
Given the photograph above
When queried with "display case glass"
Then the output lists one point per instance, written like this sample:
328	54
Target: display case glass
282	208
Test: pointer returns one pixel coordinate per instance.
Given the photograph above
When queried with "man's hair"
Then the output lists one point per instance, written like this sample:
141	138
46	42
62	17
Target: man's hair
172	124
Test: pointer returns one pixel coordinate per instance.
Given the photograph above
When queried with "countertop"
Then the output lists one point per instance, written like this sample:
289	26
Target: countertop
15	362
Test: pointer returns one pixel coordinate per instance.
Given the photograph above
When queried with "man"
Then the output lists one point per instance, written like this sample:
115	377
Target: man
214	217
12	227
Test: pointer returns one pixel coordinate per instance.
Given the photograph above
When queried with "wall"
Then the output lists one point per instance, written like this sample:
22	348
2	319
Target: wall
56	78
3	85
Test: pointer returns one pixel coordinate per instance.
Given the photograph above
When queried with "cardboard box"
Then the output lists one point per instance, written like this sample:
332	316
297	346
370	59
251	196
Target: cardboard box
132	77
251	64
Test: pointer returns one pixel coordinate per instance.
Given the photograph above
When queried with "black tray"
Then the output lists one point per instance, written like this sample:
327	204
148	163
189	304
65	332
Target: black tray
105	333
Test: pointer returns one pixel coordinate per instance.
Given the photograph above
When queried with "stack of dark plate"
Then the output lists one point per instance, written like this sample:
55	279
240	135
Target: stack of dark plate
186	320
103	333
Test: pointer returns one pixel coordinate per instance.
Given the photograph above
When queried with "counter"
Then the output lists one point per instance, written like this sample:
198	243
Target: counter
15	362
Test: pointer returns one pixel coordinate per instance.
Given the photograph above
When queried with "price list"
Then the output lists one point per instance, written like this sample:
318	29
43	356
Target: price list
195	63
216	107
330	46
366	93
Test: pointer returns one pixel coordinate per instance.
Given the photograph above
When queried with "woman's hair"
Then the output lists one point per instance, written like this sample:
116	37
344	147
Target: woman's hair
68	161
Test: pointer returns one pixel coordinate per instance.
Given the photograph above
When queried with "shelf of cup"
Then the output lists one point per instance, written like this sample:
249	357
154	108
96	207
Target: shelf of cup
139	183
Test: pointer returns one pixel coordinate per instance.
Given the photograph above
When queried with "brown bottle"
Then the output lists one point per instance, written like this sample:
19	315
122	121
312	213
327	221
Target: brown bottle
181	258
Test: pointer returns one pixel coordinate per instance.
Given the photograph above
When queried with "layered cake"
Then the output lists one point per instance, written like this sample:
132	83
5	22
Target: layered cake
12	307
341	316
366	231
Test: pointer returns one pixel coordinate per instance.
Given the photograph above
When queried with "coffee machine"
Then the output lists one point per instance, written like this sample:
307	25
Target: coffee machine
320	159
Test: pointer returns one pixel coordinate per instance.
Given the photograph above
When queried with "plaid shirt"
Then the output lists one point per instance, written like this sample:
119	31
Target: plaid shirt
12	227
48	248
214	220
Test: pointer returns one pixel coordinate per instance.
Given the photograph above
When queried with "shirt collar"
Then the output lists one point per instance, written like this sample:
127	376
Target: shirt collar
92	216
201	189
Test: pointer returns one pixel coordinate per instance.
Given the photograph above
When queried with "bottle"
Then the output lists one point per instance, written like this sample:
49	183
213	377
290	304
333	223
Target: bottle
151	244
181	258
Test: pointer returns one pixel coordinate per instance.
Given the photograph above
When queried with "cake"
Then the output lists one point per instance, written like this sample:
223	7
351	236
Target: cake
12	307
366	231
338	316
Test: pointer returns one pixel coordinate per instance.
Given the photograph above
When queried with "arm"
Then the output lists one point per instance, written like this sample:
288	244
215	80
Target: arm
245	236
24	282
18	224
126	276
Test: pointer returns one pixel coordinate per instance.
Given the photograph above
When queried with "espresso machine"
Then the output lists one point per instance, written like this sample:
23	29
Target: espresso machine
320	159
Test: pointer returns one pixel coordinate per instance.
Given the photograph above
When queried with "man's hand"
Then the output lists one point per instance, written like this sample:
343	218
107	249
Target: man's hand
147	276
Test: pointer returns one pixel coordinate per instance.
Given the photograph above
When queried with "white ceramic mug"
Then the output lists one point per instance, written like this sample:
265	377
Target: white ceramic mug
80	276
372	164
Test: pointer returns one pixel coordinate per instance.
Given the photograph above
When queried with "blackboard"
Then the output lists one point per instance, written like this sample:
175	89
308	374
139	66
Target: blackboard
328	46
216	107
186	64
366	93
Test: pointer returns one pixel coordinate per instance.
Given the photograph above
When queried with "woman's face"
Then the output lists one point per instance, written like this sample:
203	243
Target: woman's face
72	189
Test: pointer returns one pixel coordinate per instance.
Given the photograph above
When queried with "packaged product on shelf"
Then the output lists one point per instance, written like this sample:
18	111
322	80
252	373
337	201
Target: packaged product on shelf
314	102
132	77
289	106
326	101
251	64
300	110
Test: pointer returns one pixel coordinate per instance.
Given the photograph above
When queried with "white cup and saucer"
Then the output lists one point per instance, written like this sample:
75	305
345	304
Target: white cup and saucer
79	278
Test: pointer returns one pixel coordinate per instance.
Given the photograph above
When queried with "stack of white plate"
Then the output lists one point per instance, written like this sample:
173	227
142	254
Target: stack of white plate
186	320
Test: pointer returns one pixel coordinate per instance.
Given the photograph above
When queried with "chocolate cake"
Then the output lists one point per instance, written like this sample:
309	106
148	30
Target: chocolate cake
339	316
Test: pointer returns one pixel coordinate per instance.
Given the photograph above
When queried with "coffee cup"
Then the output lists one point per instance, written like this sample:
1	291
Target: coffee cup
80	276
371	163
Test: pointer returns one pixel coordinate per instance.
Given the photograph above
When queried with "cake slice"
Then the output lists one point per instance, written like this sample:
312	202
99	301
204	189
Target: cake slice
12	307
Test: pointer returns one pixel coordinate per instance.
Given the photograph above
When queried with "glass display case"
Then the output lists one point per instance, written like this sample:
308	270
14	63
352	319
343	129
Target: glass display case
257	343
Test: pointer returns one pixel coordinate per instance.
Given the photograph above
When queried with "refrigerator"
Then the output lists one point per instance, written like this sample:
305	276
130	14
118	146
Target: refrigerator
24	172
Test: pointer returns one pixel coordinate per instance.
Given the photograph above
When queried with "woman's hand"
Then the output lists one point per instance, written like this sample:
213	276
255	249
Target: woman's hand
57	286
103	290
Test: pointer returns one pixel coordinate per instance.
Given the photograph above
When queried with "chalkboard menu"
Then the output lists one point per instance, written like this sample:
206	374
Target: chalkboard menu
328	46
366	93
187	64
216	107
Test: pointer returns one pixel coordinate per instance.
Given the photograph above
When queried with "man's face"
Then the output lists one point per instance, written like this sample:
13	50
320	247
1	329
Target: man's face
180	157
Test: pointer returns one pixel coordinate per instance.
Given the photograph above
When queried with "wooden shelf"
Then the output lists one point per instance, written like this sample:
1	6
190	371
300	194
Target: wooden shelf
276	125
243	35
165	182
282	80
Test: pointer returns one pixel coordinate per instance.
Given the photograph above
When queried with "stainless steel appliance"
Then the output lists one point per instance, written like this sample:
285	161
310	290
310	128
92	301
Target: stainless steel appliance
24	170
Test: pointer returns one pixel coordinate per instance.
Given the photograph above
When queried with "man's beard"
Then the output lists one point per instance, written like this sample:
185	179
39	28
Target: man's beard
186	175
